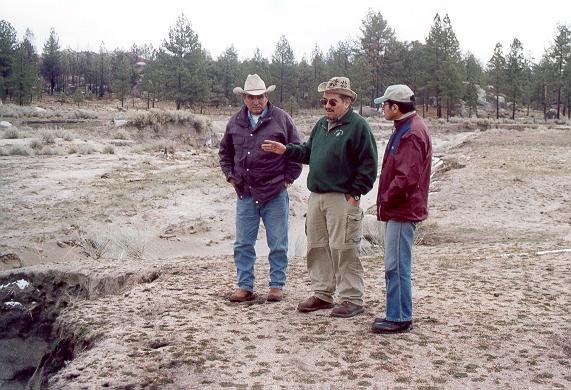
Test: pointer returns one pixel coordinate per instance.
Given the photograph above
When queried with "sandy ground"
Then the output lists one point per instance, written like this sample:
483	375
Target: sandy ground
491	274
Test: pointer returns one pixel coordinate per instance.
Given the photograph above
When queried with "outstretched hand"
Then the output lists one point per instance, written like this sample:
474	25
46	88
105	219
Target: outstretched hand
273	146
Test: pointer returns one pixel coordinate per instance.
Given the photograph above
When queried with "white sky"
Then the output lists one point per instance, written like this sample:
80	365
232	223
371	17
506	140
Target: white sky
84	24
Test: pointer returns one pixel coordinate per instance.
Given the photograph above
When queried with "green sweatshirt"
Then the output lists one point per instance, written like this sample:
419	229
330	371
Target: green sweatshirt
343	159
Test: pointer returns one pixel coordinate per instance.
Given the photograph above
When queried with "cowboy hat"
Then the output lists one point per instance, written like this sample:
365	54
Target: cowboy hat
340	85
254	85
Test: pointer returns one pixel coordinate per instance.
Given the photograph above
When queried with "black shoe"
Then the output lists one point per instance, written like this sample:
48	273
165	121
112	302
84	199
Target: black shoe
387	327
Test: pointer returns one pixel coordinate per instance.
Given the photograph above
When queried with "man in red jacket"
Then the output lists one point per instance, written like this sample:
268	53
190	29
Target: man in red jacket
402	201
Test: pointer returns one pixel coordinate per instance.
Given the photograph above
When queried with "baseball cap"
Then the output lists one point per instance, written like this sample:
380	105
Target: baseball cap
396	93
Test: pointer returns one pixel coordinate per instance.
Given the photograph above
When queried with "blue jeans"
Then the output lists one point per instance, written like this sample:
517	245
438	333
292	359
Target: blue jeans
275	215
399	237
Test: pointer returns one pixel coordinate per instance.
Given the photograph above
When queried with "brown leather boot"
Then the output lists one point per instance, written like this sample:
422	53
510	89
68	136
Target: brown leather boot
241	295
313	304
346	310
275	295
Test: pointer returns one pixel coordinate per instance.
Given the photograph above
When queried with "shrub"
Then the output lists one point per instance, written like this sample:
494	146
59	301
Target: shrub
47	137
11	133
64	134
86	149
199	125
19	150
36	144
132	243
156	119
72	149
121	134
108	149
47	151
67	136
85	114
95	245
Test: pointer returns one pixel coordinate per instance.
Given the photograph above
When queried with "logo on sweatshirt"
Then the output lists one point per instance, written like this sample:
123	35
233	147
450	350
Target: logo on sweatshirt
338	133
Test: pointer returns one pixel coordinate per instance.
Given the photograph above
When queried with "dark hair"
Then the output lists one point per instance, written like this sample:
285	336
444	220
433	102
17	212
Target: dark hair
405	107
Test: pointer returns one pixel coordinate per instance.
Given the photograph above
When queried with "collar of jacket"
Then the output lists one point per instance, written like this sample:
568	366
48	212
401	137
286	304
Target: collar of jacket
244	121
346	118
404	119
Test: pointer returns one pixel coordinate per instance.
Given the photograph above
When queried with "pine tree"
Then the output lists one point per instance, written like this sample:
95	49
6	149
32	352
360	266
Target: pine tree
376	37
338	60
452	68
560	54
227	70
282	67
496	74
435	58
122	84
318	74
304	90
515	72
473	79
51	66
8	44
25	77
183	66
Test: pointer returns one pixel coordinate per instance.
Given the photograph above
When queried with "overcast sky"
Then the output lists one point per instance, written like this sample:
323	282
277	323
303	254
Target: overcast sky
84	24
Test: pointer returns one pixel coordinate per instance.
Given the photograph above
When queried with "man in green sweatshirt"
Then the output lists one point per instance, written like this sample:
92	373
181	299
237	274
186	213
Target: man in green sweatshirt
342	157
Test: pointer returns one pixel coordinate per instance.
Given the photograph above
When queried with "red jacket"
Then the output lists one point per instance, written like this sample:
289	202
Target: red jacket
405	174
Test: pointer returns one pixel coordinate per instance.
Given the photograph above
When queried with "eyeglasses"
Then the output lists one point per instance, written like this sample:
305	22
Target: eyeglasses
332	102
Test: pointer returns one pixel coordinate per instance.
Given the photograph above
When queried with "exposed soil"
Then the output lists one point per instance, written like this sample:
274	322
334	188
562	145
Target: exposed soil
154	231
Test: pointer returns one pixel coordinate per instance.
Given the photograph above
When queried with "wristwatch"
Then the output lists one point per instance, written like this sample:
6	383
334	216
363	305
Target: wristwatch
356	197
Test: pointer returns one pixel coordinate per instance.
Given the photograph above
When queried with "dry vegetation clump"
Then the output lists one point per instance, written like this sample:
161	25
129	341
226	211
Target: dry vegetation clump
15	111
84	114
86	149
18	150
47	137
48	151
121	134
112	243
157	119
11	133
182	127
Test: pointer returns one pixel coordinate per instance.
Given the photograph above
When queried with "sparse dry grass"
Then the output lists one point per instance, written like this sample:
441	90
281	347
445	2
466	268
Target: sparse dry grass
11	133
108	149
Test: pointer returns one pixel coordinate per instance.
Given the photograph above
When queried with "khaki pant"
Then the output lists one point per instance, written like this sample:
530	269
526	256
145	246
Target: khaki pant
334	230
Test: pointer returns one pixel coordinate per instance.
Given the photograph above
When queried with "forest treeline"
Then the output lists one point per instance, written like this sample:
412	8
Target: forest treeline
445	80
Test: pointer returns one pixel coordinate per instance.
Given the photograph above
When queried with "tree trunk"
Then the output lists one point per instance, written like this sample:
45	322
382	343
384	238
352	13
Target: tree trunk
545	103
558	101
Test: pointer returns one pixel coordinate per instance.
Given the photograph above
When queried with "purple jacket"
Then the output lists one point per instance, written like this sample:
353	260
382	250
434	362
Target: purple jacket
405	176
258	173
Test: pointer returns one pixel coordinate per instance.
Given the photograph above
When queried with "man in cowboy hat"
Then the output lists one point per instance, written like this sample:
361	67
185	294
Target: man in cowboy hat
402	201
342	157
261	182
